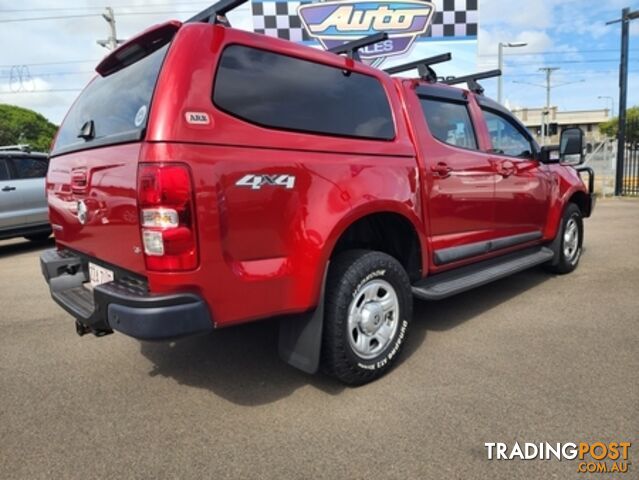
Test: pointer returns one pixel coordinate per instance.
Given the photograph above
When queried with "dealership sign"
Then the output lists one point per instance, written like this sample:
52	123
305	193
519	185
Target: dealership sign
333	23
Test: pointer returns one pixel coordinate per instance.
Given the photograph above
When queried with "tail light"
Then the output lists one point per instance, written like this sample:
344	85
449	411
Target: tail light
167	217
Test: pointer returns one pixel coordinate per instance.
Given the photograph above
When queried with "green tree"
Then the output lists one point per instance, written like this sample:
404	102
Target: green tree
23	126
611	127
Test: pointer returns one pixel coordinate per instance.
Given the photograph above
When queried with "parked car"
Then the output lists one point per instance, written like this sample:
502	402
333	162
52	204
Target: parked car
273	179
23	204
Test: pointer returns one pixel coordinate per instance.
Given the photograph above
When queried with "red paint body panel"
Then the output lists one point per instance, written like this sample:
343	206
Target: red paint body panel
112	230
263	252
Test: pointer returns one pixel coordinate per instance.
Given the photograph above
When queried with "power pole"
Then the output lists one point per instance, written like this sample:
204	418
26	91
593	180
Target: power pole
545	117
112	41
626	16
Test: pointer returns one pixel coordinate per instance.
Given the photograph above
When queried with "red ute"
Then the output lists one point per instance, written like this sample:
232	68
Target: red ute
209	177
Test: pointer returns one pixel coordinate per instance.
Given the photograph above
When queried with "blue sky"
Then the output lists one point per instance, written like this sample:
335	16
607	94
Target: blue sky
55	55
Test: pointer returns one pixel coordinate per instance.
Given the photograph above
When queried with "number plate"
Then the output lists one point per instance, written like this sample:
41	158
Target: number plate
99	275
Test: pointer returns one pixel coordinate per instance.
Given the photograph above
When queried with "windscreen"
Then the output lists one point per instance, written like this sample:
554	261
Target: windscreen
112	109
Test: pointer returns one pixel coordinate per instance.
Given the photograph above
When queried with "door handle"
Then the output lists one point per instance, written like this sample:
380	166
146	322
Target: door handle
8	189
506	168
442	170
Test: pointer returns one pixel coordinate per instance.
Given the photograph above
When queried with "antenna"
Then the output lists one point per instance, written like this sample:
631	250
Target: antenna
216	13
472	80
351	48
422	66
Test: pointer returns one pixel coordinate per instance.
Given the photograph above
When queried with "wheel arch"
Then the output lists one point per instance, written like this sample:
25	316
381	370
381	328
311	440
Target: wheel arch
389	229
582	200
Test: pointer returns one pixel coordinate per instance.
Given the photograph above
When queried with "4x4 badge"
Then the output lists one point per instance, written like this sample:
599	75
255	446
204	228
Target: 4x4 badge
256	182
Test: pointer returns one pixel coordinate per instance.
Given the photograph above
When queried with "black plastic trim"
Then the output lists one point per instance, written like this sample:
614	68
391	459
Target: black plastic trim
439	93
119	305
456	281
124	137
454	254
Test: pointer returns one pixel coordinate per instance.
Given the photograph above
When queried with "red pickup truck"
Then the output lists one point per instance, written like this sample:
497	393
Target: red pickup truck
209	177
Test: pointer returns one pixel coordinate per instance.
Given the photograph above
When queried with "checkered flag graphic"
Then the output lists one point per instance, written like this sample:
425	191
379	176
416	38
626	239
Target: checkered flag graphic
278	19
454	18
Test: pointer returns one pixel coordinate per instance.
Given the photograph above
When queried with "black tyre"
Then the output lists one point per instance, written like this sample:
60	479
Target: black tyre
38	237
368	309
569	241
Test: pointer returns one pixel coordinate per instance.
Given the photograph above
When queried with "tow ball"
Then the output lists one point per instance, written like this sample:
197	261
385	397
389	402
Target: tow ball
81	329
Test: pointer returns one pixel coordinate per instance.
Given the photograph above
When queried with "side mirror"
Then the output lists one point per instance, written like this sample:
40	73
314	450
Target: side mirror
571	147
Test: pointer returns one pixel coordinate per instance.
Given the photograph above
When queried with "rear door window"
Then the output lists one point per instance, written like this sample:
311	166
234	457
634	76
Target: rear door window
117	104
4	170
283	92
29	167
449	122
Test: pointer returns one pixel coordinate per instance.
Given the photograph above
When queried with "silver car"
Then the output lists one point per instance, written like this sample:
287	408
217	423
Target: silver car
23	203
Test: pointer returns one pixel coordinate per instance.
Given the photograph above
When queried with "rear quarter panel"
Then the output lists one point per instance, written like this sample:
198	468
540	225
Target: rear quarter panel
263	251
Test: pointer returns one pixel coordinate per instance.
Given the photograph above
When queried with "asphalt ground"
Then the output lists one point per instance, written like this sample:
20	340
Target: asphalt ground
532	358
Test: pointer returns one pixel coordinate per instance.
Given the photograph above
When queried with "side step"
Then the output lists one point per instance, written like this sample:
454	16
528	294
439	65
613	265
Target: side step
449	283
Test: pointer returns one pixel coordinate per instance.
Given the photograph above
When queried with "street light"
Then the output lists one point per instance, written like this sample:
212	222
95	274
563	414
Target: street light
500	61
612	103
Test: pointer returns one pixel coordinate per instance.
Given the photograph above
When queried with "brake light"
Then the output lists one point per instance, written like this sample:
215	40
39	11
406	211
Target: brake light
167	217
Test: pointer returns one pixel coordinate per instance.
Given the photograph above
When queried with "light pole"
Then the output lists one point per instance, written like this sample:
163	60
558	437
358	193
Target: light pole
612	103
500	61
626	16
112	42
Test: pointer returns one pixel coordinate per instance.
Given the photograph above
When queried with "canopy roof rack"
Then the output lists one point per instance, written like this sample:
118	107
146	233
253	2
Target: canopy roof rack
473	86
423	66
351	48
23	147
216	13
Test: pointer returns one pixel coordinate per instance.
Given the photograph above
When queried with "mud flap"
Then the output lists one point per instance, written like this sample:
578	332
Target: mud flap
555	245
300	337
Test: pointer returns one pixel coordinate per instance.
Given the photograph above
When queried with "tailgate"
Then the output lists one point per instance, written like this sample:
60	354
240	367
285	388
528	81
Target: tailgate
92	178
93	204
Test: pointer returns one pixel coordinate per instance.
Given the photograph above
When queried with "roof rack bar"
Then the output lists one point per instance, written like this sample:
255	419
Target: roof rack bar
216	13
474	76
351	48
23	147
472	80
444	57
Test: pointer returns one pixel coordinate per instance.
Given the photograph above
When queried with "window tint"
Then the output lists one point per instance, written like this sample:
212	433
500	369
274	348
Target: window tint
4	172
449	122
283	92
118	104
506	138
30	167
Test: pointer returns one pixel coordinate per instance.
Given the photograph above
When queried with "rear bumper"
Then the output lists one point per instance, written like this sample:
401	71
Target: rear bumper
119	305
